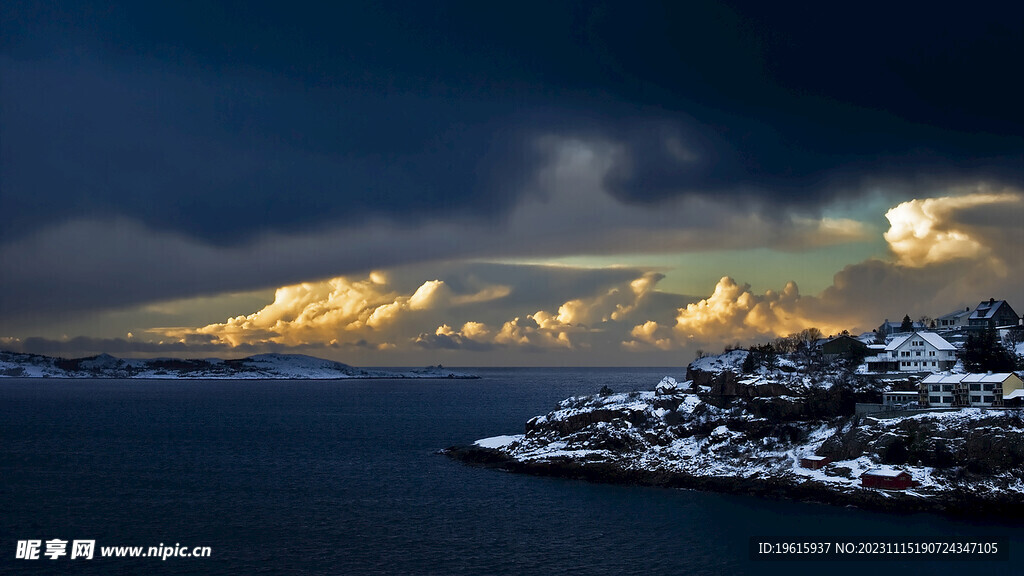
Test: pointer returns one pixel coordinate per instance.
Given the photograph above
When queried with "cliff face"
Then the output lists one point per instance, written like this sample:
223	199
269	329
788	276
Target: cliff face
979	442
963	461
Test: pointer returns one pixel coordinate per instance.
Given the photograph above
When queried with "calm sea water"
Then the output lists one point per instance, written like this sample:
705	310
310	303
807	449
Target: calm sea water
308	477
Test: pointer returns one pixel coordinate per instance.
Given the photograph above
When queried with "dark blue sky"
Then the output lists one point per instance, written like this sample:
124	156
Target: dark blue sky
225	120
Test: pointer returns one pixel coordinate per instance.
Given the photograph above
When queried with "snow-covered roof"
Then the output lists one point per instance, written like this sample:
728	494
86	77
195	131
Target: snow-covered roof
933	339
943	378
888	327
883	472
990	377
987	310
937	341
899	392
995	378
897	342
815	458
955	315
1018	393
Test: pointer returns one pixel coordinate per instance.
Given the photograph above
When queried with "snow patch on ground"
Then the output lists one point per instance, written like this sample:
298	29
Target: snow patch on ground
498	441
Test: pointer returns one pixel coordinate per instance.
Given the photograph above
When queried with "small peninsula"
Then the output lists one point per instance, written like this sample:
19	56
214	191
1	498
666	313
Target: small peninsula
792	432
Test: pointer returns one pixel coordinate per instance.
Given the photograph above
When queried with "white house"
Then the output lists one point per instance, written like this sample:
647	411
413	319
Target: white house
940	388
921	352
991	389
956	320
898	398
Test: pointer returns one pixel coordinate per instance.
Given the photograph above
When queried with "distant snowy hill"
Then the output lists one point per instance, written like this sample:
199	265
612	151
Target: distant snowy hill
259	367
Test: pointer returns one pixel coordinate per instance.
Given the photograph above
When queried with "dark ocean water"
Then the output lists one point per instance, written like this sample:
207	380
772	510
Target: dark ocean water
313	477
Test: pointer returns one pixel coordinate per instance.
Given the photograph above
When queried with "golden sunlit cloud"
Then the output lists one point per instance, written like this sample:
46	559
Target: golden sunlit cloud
925	231
733	313
544	329
649	334
335	311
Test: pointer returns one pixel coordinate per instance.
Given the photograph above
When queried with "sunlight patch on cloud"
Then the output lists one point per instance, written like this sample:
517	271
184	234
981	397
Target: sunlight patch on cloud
734	312
649	334
565	328
334	311
925	231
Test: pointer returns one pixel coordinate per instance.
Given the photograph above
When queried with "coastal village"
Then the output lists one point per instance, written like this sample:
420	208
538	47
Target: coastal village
913	416
929	358
935	355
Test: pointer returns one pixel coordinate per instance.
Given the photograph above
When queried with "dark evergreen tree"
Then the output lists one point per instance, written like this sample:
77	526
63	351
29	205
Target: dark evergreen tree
750	362
984	353
907	325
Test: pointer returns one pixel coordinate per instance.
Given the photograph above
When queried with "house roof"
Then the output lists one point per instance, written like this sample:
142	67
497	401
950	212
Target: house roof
943	378
897	342
900	392
897	325
955	315
936	341
815	458
885	473
996	377
987	310
1018	393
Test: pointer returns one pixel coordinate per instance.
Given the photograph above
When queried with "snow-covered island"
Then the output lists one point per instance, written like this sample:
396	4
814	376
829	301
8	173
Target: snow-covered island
259	367
781	433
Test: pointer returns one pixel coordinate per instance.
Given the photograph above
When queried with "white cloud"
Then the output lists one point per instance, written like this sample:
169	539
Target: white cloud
925	231
734	313
336	311
650	334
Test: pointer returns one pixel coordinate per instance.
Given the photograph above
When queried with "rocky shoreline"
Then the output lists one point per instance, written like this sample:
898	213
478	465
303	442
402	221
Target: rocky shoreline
959	505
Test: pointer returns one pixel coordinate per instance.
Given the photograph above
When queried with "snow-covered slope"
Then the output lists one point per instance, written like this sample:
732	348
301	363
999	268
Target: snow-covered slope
262	366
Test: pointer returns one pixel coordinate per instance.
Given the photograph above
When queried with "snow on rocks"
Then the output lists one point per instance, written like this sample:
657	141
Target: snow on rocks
669	431
498	441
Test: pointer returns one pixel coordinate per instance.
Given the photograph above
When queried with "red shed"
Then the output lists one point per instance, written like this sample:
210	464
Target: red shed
814	462
887	479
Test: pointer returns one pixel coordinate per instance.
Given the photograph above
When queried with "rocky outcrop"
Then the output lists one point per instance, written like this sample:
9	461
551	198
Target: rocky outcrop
986	444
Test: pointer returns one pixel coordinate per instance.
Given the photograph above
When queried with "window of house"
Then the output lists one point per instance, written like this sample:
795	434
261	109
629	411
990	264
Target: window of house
975	387
918	353
947	387
934	400
975	398
990	399
987	387
934	387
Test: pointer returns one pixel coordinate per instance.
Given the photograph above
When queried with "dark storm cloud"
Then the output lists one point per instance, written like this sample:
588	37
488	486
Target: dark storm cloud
224	121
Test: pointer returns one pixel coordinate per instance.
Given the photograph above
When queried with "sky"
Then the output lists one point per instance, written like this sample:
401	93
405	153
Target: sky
475	184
